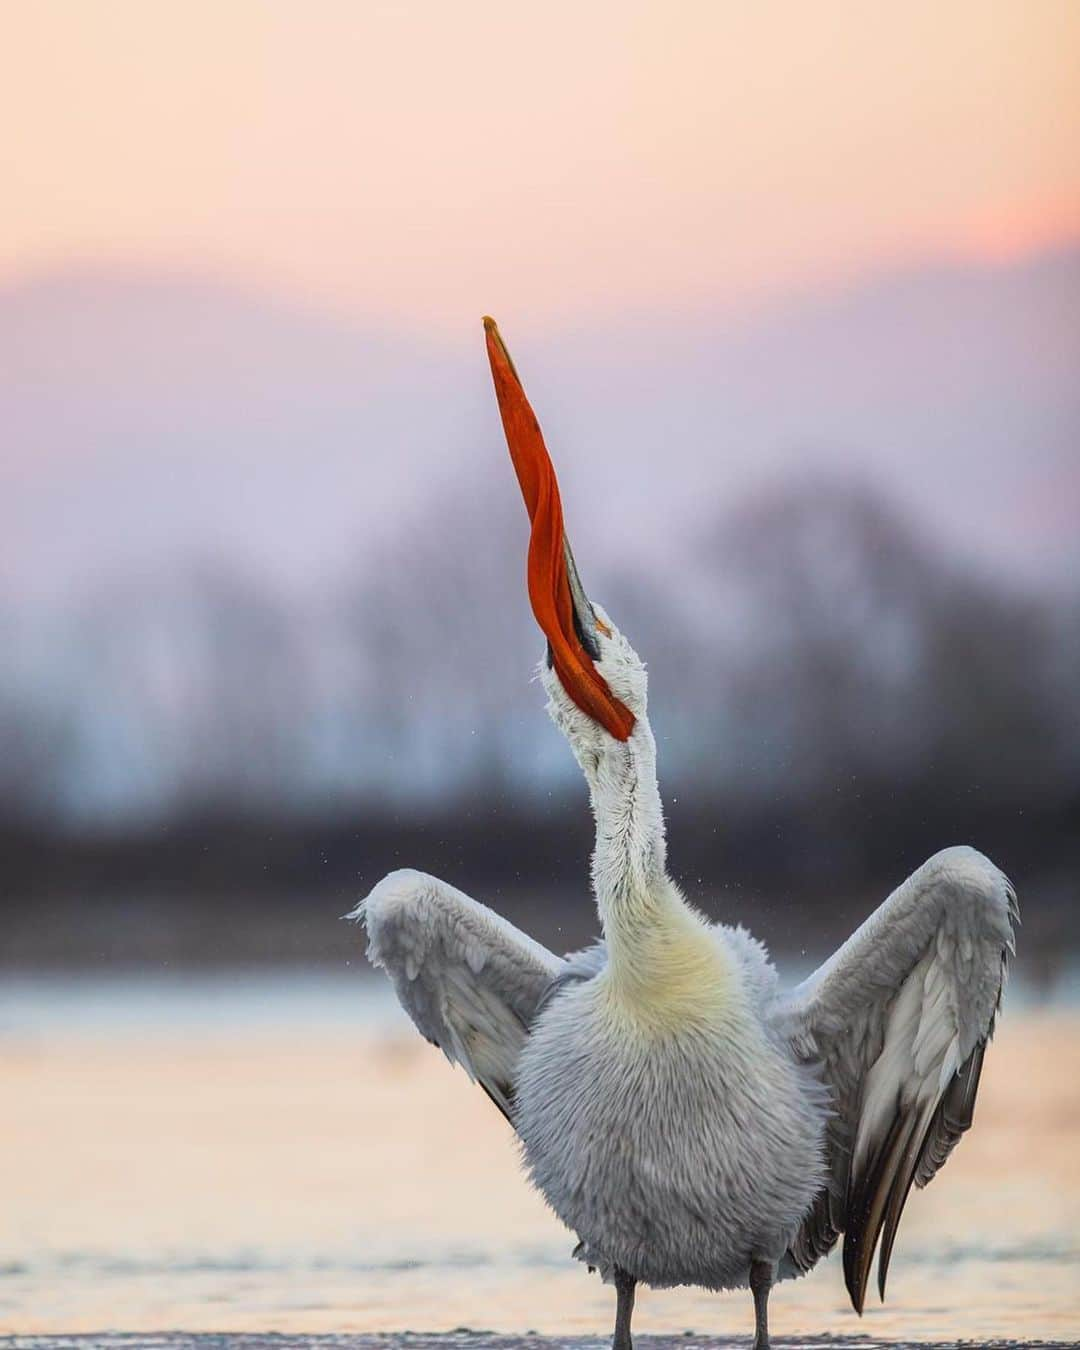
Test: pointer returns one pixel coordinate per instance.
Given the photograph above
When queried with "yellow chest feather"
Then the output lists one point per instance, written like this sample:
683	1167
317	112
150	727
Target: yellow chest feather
674	975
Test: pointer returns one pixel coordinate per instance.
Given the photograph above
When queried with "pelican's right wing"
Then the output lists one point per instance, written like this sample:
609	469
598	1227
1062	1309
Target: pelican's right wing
469	980
898	1019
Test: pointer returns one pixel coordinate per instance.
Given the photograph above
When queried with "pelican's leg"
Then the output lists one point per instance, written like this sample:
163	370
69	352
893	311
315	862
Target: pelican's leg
761	1278
624	1286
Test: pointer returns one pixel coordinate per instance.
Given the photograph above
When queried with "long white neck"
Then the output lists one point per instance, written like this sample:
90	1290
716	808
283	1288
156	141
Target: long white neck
629	860
657	945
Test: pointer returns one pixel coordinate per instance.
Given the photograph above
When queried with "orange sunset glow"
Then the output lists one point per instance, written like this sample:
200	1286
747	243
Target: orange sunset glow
436	161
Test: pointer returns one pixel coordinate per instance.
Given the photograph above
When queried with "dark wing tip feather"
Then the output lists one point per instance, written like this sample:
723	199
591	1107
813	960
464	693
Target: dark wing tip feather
817	1236
502	1095
951	1119
868	1197
906	1156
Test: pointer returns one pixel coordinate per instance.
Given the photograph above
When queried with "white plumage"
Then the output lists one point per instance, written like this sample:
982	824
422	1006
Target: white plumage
690	1121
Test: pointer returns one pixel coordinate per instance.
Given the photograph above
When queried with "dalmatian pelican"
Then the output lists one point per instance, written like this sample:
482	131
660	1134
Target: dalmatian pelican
689	1119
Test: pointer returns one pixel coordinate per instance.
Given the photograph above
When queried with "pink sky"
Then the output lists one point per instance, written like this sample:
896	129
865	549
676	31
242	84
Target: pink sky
437	161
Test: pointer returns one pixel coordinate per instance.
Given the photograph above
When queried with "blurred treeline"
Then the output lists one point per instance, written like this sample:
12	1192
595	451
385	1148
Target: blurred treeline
194	768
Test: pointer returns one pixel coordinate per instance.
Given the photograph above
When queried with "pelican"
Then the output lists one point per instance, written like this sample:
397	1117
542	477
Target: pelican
689	1119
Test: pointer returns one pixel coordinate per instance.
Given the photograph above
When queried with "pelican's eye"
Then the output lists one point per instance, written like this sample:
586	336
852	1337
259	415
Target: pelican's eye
602	627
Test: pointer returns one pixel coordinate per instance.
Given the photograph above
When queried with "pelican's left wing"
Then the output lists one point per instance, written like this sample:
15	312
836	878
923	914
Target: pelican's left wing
469	980
899	1019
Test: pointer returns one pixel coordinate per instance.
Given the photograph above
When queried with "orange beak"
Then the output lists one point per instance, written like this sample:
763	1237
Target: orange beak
558	601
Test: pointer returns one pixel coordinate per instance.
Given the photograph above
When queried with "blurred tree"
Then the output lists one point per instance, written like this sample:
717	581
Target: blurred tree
441	641
192	697
36	740
817	648
849	646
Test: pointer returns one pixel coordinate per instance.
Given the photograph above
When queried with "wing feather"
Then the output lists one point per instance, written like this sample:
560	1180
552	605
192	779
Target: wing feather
899	1019
470	981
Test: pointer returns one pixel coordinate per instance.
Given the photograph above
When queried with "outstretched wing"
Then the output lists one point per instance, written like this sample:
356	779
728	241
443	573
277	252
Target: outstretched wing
899	1019
469	980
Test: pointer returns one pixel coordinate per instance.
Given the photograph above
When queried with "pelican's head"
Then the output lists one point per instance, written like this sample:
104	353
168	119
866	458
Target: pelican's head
595	681
623	673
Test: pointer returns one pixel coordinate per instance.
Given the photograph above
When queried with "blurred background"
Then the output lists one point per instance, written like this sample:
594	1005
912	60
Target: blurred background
798	305
796	294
